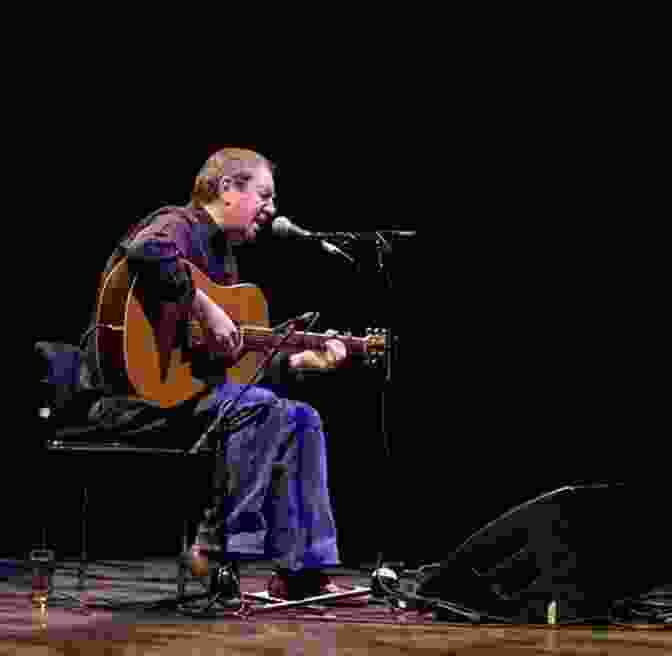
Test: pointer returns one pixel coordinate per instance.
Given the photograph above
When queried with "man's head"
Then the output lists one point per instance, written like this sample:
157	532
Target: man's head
236	187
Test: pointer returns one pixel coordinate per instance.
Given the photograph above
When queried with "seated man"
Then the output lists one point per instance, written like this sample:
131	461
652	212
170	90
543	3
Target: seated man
273	501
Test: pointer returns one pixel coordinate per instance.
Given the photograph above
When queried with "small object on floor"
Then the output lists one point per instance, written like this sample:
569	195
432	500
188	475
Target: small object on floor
383	580
206	549
43	564
198	562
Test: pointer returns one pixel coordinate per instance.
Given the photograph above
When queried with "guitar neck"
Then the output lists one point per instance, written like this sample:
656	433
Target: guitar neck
260	338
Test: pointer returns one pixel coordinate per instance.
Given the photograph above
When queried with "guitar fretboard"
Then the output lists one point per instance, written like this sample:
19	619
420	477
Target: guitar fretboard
260	337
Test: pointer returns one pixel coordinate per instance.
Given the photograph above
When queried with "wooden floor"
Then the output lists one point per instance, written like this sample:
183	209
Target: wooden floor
127	608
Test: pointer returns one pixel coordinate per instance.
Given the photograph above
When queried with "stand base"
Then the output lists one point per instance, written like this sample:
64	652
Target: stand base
270	603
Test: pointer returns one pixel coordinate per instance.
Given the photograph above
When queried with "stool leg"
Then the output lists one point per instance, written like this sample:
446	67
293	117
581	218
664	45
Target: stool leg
81	572
182	562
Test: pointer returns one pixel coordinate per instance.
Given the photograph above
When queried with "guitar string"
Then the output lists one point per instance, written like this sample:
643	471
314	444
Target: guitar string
260	332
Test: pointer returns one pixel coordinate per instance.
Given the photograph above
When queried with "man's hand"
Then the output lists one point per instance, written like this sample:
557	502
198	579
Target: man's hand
221	333
333	355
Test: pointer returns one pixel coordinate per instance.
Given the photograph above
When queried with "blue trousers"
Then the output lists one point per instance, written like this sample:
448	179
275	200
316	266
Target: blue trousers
274	469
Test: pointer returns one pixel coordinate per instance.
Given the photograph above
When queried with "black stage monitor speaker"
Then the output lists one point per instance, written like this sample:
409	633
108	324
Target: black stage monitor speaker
584	547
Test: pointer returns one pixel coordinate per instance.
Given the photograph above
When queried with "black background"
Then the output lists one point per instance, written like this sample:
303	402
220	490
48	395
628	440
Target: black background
519	305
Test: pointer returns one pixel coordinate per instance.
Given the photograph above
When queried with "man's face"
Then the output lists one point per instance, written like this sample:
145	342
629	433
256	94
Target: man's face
250	208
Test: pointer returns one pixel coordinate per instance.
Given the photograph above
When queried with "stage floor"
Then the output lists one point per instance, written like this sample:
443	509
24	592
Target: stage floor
126	608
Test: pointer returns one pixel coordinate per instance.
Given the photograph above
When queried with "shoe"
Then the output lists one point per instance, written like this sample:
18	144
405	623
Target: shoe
223	593
225	586
307	583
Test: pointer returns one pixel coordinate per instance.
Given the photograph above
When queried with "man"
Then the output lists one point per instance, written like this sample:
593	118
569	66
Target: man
273	502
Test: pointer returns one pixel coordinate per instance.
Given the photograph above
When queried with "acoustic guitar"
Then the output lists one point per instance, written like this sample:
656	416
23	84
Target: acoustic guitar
158	353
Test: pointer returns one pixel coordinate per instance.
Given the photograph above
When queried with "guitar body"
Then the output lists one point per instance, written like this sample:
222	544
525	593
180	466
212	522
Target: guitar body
150	353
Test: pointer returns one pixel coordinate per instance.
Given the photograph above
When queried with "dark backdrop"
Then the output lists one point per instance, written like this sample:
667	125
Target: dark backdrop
519	306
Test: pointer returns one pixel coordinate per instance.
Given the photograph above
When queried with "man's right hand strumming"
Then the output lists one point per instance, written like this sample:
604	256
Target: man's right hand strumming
221	333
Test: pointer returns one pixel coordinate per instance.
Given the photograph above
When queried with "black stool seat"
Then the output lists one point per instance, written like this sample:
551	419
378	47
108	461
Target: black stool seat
112	447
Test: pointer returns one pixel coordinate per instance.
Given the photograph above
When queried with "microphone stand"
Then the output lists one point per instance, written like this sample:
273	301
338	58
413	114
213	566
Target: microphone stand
383	249
385	583
384	579
382	240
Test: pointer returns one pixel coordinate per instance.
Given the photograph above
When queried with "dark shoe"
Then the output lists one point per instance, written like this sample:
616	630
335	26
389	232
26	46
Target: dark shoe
225	585
301	585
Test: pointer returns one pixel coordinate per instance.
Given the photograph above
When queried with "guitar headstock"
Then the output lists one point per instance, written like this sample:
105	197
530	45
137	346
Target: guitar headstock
376	340
372	347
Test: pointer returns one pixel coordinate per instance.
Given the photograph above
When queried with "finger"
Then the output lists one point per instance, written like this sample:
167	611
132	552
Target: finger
333	356
227	345
336	346
335	349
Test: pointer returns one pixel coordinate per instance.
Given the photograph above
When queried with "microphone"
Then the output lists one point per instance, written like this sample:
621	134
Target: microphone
283	227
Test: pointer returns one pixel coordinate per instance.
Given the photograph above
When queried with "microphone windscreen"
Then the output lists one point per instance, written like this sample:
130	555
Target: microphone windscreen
281	227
